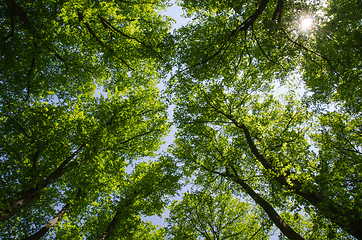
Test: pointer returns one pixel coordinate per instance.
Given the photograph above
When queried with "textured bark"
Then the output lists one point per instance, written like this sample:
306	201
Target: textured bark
33	193
327	207
41	232
49	225
330	209
273	215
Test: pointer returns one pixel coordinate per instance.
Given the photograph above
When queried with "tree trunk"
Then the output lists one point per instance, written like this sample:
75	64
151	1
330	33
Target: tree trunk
41	232
327	207
110	226
126	203
49	225
273	215
121	206
33	193
331	210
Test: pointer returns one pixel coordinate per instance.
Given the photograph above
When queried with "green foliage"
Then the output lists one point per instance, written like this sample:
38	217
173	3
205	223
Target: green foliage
335	75
293	149
213	215
339	140
267	118
56	135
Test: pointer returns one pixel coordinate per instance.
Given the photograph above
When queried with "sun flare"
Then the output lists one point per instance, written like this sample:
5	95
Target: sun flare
306	23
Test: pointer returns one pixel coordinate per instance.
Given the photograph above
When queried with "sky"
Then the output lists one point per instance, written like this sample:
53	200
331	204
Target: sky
175	12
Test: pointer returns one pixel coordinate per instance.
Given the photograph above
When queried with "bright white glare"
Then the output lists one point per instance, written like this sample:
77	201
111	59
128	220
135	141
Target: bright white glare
306	23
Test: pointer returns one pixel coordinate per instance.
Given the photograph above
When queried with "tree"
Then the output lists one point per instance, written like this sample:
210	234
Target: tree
57	136
236	53
97	142
214	214
336	40
267	36
45	229
80	110
144	193
78	44
258	144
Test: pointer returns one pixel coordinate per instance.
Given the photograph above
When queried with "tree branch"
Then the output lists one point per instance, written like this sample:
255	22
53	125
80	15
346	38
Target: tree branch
277	15
244	26
108	25
273	215
311	51
91	31
262	50
28	76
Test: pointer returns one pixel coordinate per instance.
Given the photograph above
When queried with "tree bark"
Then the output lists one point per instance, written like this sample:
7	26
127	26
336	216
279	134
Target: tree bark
49	225
41	232
124	204
273	215
33	193
327	207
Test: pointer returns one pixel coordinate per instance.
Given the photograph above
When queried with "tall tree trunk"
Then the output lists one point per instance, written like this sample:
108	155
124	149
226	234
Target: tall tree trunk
41	232
35	192
327	207
124	204
121	206
273	215
348	219
111	226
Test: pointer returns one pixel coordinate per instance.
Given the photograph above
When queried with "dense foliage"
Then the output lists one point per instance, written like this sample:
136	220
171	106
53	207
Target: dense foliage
267	116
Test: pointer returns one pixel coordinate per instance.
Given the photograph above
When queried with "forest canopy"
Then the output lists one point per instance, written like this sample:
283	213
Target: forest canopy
264	95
